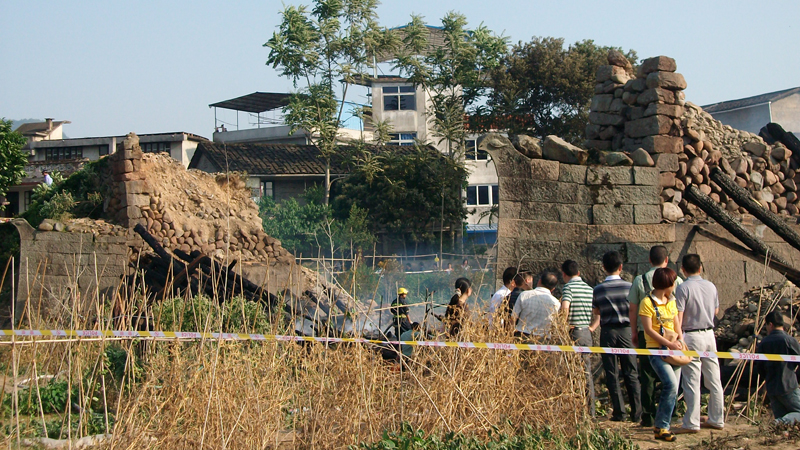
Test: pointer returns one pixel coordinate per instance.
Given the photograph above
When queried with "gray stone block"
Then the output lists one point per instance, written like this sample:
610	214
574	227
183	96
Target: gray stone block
572	173
646	176
574	213
538	250
542	169
609	175
557	192
543	231
627	195
648	126
515	189
509	209
605	234
612	214
646	214
595	252
539	211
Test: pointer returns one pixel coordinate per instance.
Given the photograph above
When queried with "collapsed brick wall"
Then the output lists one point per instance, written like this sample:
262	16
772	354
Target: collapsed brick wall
62	269
551	211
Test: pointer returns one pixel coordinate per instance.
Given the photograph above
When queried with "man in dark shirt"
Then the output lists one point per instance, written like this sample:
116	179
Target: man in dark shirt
779	377
610	308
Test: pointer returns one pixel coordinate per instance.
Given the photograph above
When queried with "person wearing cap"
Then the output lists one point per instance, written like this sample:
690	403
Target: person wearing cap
399	310
48	180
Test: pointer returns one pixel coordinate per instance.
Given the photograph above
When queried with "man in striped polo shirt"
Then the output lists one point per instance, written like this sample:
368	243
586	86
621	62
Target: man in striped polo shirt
576	303
610	309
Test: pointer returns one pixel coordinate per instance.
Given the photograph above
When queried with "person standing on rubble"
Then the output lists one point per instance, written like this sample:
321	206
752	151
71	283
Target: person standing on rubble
698	305
641	287
610	310
780	378
399	310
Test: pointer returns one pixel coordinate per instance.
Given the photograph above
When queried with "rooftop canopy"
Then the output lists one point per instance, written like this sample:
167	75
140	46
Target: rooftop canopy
257	102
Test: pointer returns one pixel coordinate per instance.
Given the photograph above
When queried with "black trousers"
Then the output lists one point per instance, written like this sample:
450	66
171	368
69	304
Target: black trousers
621	338
648	380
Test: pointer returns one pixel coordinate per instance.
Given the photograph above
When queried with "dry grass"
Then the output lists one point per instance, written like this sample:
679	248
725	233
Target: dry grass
213	394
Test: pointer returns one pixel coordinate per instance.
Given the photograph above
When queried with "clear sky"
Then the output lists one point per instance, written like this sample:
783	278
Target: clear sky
154	66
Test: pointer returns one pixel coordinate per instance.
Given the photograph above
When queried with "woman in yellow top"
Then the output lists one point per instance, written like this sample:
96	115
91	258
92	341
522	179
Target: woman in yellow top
657	311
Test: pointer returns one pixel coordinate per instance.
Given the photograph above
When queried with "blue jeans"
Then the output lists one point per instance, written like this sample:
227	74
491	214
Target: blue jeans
670	377
786	407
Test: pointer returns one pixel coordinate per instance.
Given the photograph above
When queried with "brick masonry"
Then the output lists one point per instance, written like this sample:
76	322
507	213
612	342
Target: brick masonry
565	211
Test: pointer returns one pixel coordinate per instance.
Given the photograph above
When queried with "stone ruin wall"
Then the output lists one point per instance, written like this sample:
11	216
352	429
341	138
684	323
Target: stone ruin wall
645	145
59	269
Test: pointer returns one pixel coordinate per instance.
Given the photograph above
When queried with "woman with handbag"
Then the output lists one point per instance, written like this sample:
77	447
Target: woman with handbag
657	312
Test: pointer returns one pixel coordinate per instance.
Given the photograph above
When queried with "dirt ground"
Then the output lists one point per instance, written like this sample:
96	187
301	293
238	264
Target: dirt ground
736	435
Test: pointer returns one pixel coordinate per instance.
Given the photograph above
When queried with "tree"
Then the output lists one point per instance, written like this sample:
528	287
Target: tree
322	51
12	160
454	75
405	194
542	88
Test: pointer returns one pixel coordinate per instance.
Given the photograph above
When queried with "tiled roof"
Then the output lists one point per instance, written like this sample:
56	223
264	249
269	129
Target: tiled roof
750	101
273	159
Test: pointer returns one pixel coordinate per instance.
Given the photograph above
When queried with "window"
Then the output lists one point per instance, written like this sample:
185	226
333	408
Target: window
60	153
399	98
156	147
471	152
402	138
27	198
482	195
103	150
266	189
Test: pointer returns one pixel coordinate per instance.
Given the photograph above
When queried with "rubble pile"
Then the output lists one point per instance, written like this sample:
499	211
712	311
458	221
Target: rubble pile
187	210
736	330
192	209
643	119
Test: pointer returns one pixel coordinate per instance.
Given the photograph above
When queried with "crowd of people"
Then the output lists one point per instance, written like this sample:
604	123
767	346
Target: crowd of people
658	310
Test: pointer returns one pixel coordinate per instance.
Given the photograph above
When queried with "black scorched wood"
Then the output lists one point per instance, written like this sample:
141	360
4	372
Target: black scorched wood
743	198
712	208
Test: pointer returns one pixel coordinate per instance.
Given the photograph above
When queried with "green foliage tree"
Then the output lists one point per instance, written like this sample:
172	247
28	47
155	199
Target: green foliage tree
407	194
322	51
12	160
454	75
542	88
309	228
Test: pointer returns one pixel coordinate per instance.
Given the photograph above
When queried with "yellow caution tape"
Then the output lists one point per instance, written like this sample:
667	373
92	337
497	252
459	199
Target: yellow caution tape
194	335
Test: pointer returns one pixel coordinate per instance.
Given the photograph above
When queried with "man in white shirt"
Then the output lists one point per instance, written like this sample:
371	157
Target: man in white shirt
497	299
535	309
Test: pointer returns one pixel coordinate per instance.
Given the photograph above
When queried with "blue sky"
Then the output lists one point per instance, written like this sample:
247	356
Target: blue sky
154	66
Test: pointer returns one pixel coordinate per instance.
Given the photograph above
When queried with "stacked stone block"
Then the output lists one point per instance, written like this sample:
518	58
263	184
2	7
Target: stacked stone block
130	191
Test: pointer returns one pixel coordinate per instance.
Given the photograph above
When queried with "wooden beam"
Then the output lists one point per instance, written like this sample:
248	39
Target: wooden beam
790	273
743	198
734	227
